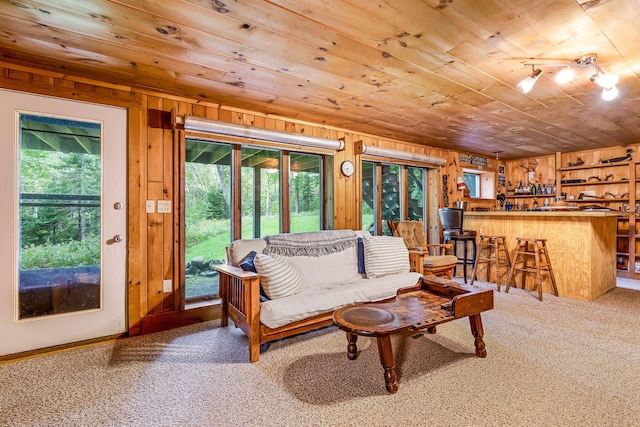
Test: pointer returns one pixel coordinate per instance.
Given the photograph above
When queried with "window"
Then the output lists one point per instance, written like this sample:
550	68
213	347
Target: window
304	192
473	183
260	192
207	194
480	183
210	210
390	196
60	183
415	186
399	198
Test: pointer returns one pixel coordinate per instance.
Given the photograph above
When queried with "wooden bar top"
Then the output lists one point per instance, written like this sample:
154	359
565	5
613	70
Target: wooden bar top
593	214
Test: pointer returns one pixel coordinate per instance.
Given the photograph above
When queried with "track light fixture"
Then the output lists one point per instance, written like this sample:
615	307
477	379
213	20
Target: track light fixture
530	80
606	81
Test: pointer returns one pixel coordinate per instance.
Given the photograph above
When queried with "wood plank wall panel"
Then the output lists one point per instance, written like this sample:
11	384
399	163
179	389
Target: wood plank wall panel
516	169
168	225
153	175
136	222
155	220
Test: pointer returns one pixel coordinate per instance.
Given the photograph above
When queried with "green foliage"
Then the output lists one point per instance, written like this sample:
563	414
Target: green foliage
218	206
58	173
416	193
71	254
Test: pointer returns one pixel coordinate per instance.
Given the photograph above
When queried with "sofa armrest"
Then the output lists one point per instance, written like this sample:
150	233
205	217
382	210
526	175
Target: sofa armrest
240	295
234	271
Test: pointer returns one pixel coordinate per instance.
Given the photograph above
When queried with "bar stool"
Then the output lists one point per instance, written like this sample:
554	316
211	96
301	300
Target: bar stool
452	220
524	251
492	251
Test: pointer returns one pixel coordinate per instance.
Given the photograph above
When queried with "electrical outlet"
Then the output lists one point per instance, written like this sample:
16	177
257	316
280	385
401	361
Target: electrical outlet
151	206
164	206
167	286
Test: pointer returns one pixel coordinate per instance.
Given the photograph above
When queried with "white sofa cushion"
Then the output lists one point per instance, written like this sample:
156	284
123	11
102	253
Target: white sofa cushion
319	299
239	249
384	255
316	271
277	277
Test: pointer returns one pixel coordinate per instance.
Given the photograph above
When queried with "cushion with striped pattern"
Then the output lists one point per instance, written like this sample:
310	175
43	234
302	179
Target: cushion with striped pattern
278	278
384	255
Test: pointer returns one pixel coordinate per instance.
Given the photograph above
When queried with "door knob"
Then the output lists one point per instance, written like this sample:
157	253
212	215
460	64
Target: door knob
115	239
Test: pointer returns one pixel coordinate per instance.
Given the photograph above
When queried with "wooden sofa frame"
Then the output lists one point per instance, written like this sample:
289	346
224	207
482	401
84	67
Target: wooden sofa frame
240	295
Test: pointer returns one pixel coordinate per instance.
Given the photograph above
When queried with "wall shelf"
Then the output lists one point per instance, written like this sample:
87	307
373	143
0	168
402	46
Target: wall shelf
595	166
530	196
582	184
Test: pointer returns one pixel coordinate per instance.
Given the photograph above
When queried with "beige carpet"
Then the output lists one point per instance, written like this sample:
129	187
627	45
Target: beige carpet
554	363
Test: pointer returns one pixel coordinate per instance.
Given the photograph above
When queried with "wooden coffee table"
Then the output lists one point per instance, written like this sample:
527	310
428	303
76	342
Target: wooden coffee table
440	300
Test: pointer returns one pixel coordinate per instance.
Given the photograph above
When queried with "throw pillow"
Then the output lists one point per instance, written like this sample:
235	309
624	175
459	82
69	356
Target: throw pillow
278	278
361	266
384	255
247	264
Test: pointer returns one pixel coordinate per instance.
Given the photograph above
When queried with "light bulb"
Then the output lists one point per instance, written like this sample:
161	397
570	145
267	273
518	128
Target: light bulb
610	93
565	76
529	81
527	84
605	80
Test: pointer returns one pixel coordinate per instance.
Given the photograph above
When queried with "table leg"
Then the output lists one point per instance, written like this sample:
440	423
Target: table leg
476	329
386	358
352	348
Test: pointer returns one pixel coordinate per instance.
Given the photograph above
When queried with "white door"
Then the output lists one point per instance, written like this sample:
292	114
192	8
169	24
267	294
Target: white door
62	221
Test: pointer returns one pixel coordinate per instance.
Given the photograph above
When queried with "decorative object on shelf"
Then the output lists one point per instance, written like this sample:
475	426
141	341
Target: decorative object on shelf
588	195
594	178
606	81
572	181
618	159
510	190
579	162
609	195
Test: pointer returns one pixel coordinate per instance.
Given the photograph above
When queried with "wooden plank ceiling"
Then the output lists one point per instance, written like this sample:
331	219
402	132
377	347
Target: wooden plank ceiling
436	72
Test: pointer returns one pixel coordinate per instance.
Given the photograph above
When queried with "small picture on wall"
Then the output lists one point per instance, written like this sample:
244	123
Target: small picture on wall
500	169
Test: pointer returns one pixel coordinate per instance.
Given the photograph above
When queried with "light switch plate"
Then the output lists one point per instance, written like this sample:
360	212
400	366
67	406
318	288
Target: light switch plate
166	286
164	206
151	206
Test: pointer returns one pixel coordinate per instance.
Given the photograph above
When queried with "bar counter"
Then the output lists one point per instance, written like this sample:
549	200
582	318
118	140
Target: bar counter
581	246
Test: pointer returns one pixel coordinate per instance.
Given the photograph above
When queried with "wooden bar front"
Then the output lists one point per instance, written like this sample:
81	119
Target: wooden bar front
581	245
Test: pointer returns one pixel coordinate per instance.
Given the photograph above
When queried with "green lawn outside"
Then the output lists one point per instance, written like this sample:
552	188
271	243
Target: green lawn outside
213	248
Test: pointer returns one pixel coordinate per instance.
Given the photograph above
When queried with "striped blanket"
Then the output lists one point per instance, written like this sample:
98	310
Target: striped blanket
314	243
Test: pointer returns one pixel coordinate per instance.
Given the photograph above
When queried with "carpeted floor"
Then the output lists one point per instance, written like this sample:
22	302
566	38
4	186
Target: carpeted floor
554	363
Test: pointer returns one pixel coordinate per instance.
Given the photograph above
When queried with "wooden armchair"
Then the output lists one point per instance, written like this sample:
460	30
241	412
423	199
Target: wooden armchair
424	258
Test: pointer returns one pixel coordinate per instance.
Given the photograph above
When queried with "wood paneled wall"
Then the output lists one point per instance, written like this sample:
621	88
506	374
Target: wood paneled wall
152	173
